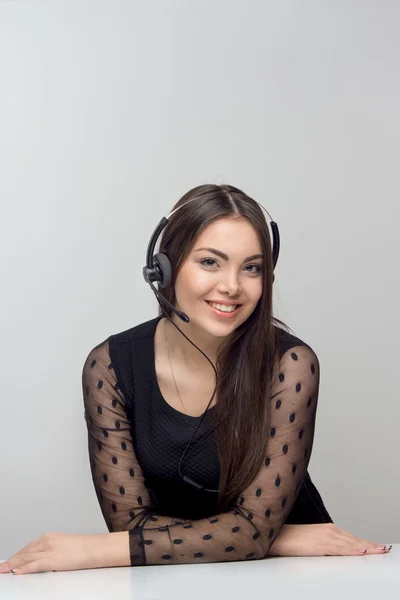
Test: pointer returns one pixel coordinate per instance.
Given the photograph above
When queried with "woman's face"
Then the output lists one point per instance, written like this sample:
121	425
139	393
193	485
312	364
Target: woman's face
205	275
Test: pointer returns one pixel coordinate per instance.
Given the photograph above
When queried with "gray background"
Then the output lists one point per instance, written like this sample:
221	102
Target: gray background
110	111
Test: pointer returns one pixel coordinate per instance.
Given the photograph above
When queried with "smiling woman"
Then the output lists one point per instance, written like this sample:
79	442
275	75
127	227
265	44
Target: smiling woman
147	395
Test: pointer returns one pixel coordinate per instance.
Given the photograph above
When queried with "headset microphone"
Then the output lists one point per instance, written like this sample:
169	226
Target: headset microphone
179	313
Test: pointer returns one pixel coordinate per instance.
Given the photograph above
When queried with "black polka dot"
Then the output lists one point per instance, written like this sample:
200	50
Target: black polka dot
268	512
131	472
229	548
292	417
116	386
166	556
309	402
235	529
281	377
301	433
99	445
278	404
250	516
273	431
114	507
105	477
115	460
114	402
294	355
298	387
207	537
93	363
198	555
140	501
105	433
123	446
188	525
267	461
122	490
132	515
99	410
278	481
294	468
258	492
284	502
256	536
177	541
250	555
312	369
100	384
216	520
285	449
148	542
241	501
117	424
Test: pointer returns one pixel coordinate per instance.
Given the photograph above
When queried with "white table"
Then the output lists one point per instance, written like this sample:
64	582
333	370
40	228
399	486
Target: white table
294	578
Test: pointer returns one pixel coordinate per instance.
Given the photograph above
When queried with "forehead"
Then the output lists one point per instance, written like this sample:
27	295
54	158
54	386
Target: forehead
228	231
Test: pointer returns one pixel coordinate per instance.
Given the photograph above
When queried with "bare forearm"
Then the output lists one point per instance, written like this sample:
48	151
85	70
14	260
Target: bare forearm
283	542
113	550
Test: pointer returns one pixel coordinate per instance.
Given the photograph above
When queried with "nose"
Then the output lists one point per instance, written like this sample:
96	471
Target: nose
230	285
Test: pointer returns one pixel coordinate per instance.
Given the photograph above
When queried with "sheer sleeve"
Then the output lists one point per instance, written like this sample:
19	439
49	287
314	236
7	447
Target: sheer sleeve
251	527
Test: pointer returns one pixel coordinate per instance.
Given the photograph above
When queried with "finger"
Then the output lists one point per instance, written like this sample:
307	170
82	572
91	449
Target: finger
373	548
22	560
360	544
36	566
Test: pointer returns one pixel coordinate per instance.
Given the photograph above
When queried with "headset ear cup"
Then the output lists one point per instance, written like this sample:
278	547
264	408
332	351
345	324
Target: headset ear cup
161	260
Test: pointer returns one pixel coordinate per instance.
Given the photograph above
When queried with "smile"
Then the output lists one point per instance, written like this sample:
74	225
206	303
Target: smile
224	313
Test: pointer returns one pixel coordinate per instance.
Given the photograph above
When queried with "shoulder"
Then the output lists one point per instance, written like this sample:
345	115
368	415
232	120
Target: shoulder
295	355
143	330
117	344
288	340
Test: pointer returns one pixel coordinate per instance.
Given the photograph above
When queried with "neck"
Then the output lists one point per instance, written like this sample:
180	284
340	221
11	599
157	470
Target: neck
185	352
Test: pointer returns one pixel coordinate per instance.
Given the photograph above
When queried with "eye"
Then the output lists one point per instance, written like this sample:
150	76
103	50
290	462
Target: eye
208	260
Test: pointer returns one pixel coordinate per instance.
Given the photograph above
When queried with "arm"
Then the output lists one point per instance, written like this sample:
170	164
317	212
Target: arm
251	527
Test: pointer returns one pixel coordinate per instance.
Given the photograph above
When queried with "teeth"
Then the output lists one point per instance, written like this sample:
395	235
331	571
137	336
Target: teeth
223	307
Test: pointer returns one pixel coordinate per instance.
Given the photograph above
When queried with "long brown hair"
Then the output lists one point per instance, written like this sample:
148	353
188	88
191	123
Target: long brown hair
252	350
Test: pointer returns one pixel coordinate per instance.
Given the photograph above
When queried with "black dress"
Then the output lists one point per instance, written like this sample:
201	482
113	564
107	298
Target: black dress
135	441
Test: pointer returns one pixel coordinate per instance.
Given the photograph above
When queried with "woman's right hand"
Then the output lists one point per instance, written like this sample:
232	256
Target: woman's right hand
321	539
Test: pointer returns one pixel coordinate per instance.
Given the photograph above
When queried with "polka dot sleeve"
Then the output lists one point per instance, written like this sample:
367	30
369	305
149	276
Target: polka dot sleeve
248	530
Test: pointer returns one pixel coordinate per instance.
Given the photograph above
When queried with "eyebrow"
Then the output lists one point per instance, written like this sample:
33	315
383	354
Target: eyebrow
226	257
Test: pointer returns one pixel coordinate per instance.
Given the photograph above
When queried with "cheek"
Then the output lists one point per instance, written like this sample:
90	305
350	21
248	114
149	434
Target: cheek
192	282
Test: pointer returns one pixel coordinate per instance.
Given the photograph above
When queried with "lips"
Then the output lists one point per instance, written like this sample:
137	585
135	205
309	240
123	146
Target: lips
221	312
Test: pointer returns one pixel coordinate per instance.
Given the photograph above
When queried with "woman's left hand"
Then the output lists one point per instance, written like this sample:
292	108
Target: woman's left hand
56	552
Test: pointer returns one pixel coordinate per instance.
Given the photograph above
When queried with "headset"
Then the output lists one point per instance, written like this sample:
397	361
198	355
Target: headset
158	269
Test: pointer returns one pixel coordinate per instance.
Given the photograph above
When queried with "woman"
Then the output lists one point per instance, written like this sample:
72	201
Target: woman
181	478
146	389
